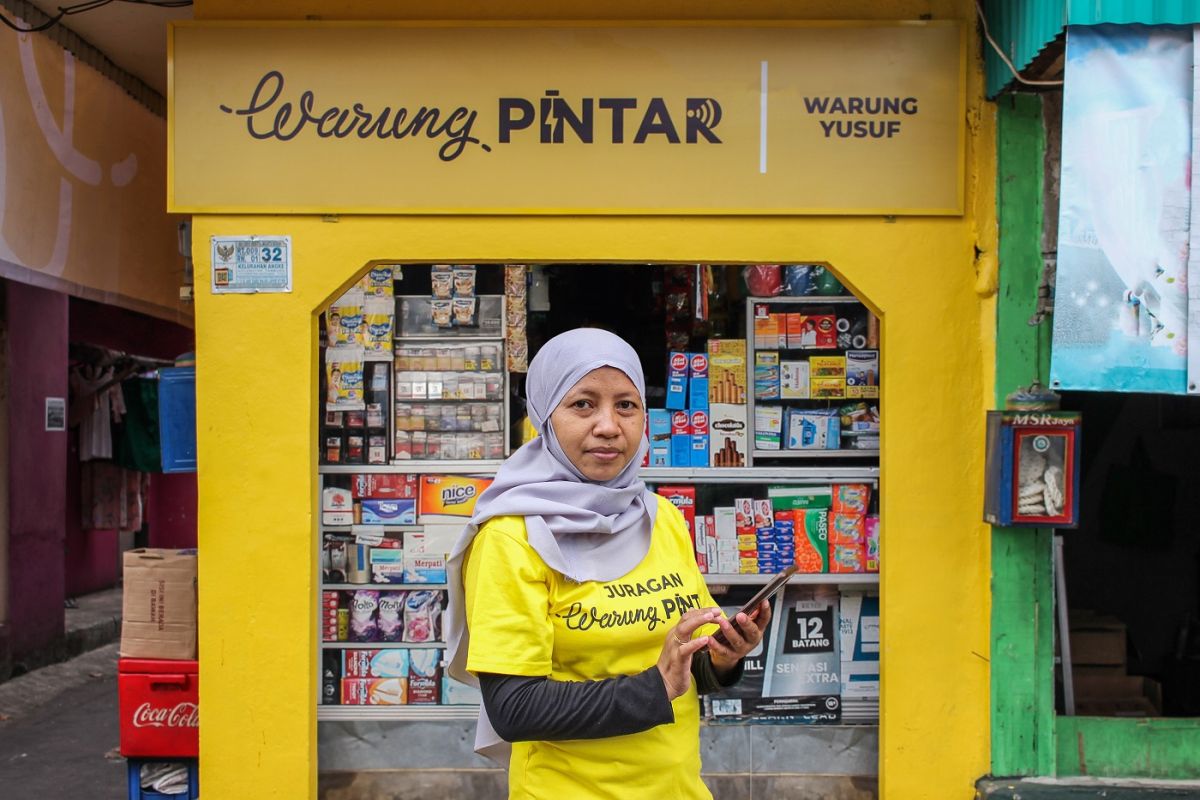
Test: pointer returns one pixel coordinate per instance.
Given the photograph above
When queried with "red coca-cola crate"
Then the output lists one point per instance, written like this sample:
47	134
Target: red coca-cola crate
159	703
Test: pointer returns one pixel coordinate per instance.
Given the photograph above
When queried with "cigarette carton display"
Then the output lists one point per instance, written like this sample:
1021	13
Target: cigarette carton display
727	371
677	376
728	438
793	380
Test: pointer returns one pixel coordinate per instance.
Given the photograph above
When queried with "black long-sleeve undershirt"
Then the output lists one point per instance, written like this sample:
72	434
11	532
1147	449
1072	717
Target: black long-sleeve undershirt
522	708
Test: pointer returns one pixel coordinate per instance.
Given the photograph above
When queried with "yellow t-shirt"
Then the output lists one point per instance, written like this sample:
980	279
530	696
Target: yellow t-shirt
527	619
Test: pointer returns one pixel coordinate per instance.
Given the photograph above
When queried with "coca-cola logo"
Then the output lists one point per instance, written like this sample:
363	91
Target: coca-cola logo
181	715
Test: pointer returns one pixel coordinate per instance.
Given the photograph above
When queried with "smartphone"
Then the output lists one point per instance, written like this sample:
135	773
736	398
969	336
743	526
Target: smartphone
750	609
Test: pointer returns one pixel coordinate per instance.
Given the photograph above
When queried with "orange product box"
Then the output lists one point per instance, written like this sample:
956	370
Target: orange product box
848	558
812	539
847	529
450	495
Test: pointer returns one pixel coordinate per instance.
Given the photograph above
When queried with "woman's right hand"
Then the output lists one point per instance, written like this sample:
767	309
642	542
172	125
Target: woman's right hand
675	660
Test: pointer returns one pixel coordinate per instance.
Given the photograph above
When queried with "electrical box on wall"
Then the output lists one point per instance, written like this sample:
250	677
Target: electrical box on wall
1032	475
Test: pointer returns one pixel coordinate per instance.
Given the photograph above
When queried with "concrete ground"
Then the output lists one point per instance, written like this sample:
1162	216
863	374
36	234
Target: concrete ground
59	731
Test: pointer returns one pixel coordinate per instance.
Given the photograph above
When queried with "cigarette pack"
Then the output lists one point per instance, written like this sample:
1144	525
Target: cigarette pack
728	435
660	437
766	375
677	375
726	371
793	380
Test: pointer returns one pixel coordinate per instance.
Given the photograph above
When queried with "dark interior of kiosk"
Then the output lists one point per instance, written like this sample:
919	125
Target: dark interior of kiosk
1133	565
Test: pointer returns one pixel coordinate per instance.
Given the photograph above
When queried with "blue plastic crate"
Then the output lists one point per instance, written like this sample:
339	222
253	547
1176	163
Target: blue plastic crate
134	773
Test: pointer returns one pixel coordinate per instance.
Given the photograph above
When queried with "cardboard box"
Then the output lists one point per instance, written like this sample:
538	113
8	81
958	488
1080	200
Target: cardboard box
768	427
1097	641
384	486
766	375
811	430
450	498
158	617
660	437
374	691
387	565
337	506
424	567
767	328
389	663
697	381
726	371
683	498
862	373
387	512
827	367
681	450
728	437
677	376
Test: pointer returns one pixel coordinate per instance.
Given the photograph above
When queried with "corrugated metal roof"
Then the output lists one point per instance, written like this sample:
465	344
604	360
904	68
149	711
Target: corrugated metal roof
1024	28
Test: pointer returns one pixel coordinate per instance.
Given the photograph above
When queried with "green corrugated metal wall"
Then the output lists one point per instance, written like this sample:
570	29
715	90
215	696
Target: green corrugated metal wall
1023	28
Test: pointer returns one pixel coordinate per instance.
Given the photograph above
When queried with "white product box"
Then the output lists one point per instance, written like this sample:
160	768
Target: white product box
768	427
793	380
728	436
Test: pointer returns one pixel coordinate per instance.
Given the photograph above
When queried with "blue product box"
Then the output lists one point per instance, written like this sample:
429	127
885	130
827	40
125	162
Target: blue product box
698	394
388	512
681	450
677	379
699	449
660	437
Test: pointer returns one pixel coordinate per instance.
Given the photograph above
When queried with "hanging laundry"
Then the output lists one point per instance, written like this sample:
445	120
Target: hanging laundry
112	497
137	439
98	403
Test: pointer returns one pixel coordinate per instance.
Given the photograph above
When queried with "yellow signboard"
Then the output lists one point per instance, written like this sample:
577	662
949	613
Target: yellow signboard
814	118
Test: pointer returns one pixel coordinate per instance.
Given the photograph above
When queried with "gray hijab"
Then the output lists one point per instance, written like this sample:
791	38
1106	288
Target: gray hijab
584	530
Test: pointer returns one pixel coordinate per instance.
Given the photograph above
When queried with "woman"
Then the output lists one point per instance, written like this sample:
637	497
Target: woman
575	601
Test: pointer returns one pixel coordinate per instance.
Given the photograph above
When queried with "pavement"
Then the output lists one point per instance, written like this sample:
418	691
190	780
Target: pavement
59	729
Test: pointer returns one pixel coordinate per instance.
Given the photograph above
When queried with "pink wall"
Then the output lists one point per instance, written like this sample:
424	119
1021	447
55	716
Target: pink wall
37	460
91	556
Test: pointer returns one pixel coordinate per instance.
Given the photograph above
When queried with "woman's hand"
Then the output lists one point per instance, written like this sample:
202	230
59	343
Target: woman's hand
675	660
742	639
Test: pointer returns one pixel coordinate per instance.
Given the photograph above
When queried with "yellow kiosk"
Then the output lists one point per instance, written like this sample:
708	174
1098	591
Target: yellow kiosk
327	137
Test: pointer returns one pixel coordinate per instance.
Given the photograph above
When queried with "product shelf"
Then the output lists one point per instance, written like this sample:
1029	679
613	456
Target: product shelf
808	299
383	587
413	713
842	453
758	475
812	579
383	645
349	529
485	468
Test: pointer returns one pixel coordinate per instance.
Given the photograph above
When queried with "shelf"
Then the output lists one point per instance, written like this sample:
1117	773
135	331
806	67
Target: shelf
413	713
823	578
809	299
446	339
756	474
843	453
383	645
383	587
419	467
349	529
